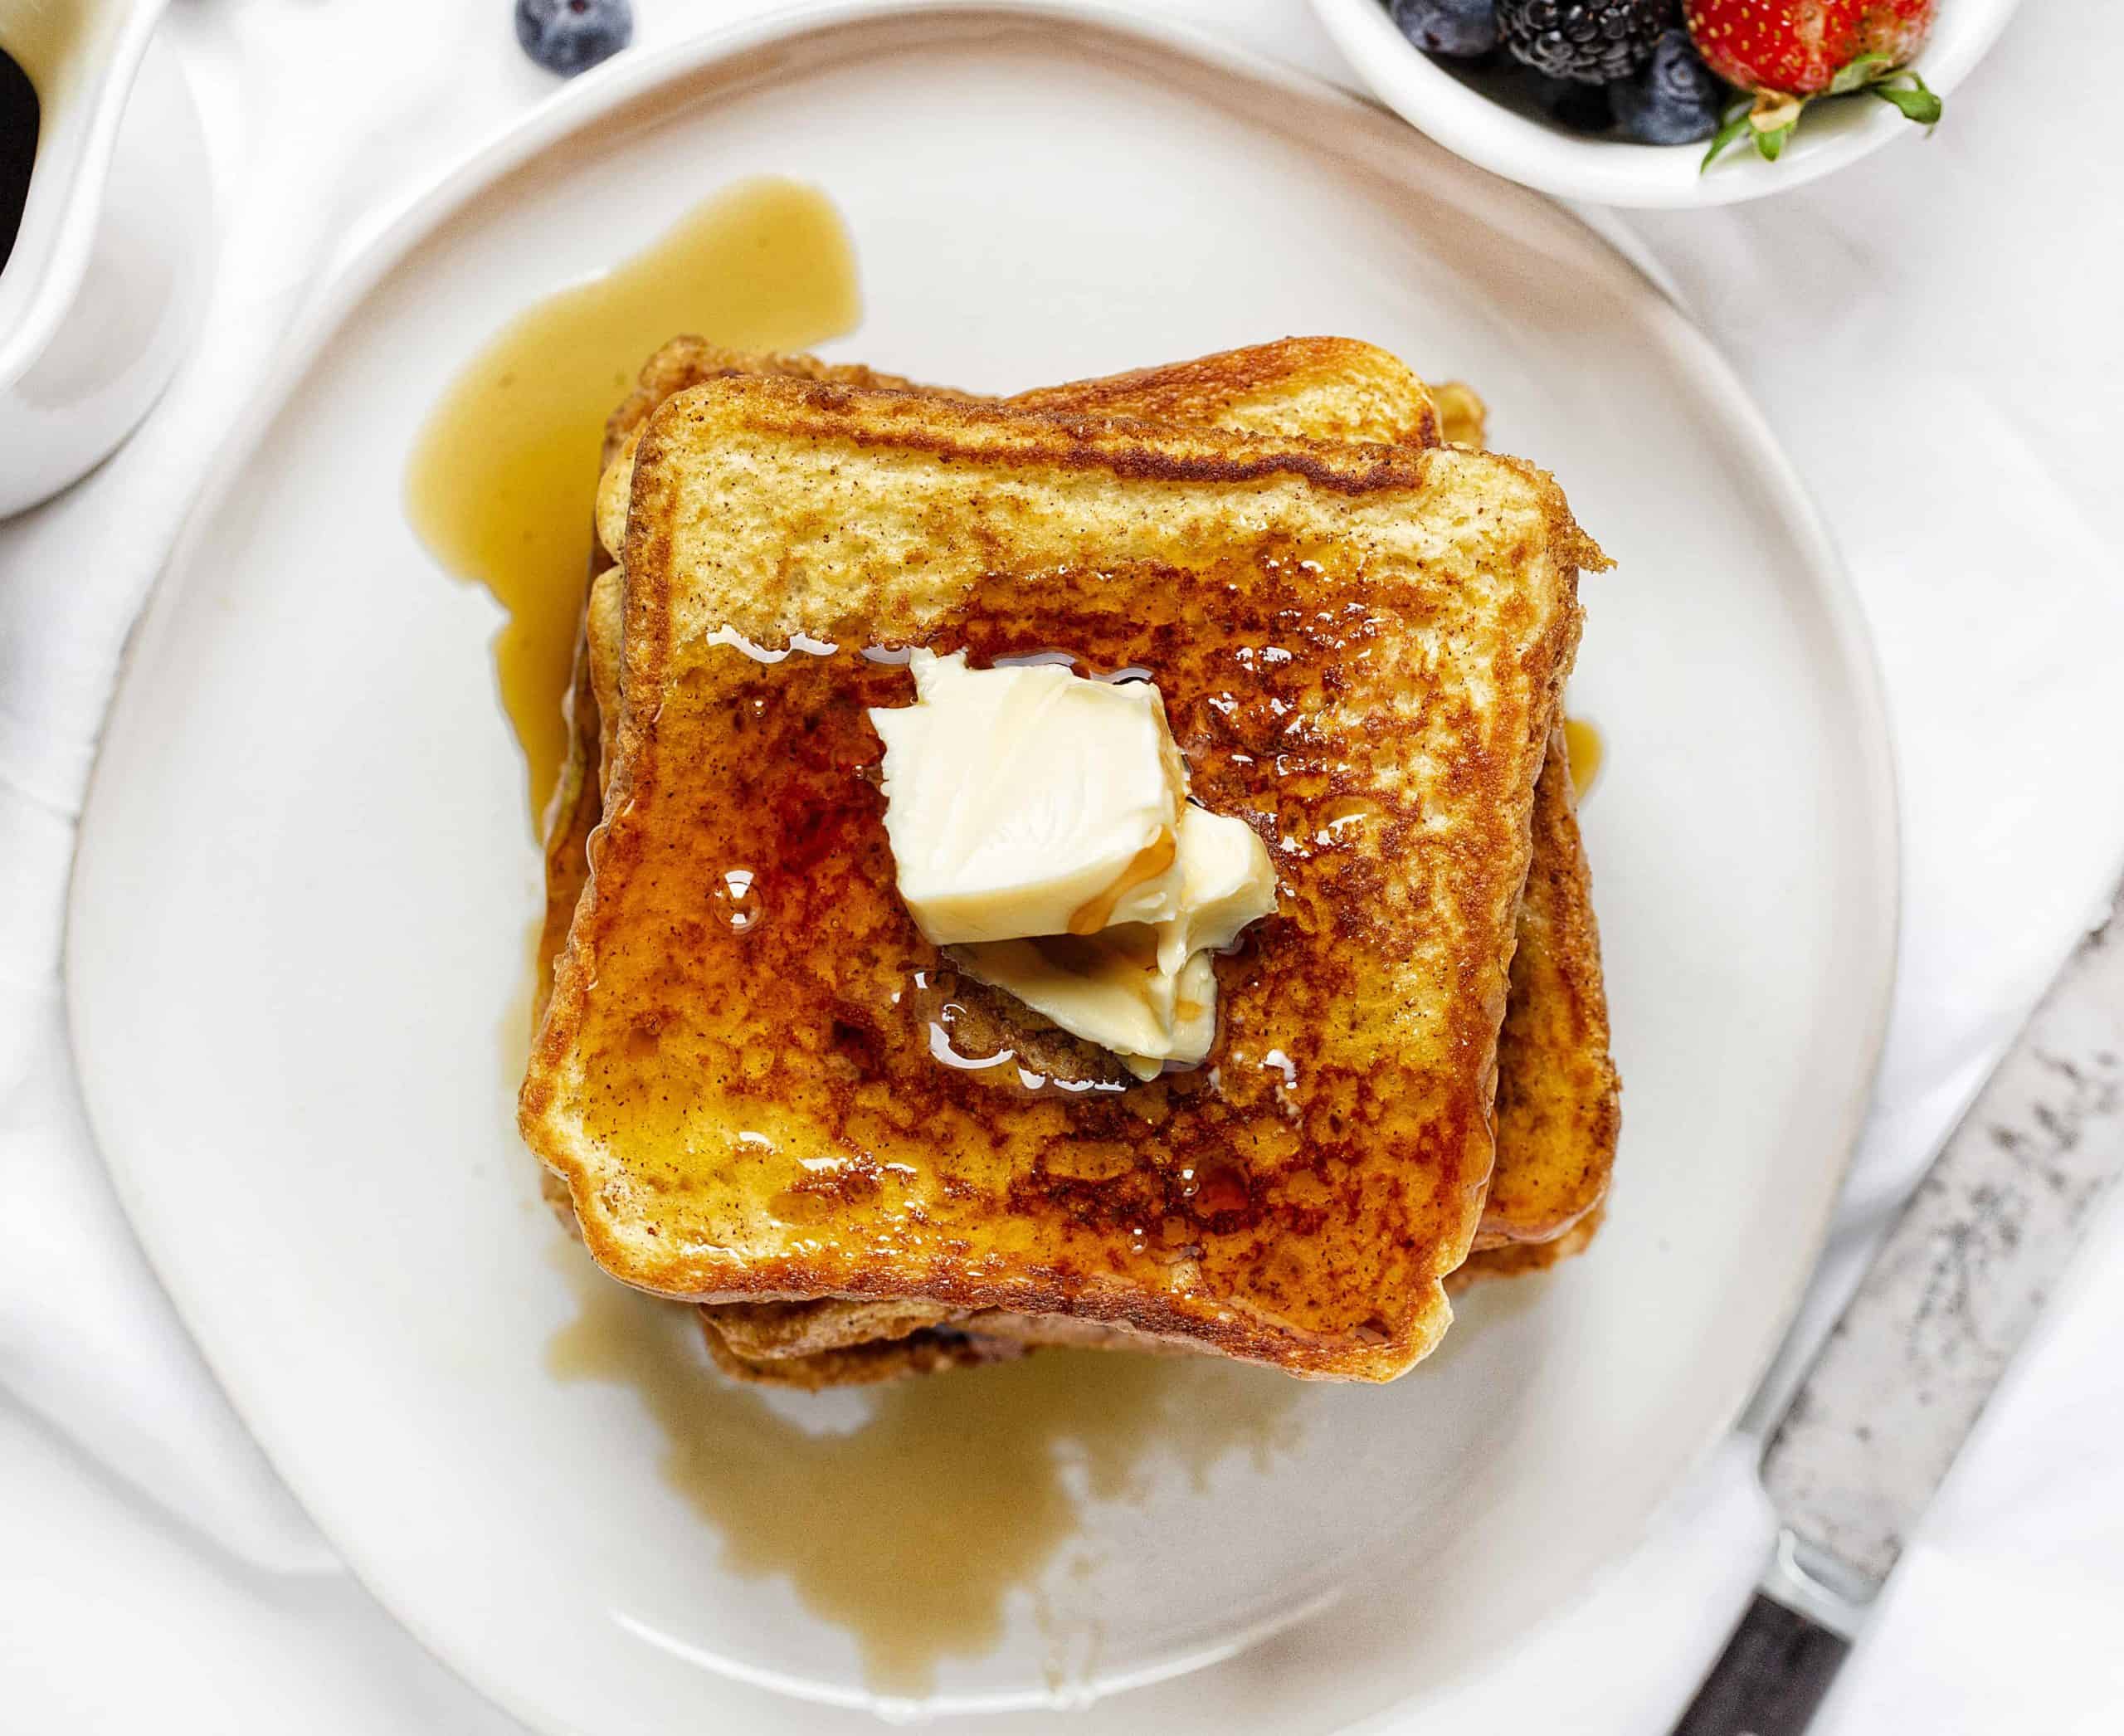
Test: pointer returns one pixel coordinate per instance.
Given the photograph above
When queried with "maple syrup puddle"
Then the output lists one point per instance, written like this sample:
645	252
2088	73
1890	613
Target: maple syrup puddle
1587	750
913	1529
503	480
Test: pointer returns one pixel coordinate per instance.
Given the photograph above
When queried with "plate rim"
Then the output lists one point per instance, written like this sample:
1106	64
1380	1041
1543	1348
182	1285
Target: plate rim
398	228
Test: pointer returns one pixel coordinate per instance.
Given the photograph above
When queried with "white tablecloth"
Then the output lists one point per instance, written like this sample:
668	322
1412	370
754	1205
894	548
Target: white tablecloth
1935	335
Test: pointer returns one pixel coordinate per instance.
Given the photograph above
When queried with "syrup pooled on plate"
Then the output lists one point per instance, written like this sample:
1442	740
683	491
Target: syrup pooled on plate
503	481
912	1529
1587	751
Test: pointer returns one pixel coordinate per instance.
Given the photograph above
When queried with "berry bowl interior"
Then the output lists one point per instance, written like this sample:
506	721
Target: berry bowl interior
1495	123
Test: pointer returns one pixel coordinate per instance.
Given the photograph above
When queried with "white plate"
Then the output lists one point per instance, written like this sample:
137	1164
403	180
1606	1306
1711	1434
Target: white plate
299	909
1461	114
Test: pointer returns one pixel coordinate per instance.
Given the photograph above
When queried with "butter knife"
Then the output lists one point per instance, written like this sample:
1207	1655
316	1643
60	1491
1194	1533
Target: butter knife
1893	1393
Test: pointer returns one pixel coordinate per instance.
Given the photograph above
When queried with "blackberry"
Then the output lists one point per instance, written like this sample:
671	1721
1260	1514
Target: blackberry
1588	41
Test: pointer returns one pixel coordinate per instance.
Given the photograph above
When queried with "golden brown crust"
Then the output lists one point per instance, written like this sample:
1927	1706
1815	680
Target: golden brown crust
1325	388
572	814
685	363
967	432
750	1342
1517	1260
1558	1097
1190	475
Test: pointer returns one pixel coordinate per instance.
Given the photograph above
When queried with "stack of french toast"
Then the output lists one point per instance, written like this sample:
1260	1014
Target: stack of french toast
771	1078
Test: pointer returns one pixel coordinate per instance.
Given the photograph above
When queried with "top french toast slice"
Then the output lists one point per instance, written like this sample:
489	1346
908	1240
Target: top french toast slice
740	1115
1558	1118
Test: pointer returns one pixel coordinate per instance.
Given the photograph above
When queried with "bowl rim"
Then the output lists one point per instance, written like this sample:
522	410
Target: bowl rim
1611	172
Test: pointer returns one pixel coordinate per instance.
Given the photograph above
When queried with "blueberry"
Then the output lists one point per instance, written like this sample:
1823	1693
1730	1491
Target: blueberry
1582	108
568	36
1460	28
1676	100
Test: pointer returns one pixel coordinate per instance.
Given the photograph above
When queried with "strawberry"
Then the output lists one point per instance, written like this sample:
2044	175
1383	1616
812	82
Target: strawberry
1782	53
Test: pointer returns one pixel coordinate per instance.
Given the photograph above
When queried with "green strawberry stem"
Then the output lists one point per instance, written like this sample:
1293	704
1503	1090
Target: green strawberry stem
1768	117
1915	98
1732	124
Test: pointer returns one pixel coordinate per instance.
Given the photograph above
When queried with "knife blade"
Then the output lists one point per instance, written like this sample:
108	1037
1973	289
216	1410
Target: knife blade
1952	1293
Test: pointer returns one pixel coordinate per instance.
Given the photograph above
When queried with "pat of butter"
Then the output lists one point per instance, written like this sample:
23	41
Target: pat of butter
1029	800
1226	882
1040	827
1108	989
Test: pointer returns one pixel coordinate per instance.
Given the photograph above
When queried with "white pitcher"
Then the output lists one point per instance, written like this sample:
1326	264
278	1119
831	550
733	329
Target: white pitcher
102	288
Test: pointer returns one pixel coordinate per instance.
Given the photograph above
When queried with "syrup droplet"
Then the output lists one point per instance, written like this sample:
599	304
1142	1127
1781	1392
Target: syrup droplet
1587	750
1342	820
737	899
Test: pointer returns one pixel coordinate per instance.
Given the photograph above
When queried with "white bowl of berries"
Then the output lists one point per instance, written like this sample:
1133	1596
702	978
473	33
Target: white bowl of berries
1664	102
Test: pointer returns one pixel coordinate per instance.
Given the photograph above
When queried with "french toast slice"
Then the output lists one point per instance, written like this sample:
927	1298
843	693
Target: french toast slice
807	1344
779	509
1559	1114
1563	1154
1555	1153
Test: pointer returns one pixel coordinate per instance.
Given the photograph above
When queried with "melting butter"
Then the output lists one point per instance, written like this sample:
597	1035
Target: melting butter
1025	800
1040	827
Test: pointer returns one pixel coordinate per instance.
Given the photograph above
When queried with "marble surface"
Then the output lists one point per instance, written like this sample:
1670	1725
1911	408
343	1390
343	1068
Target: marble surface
1932	333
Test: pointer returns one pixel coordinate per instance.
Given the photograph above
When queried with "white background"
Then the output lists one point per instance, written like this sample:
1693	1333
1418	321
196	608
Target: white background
1934	333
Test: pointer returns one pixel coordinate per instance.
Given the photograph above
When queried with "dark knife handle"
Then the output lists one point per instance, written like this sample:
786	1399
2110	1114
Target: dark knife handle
1772	1676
